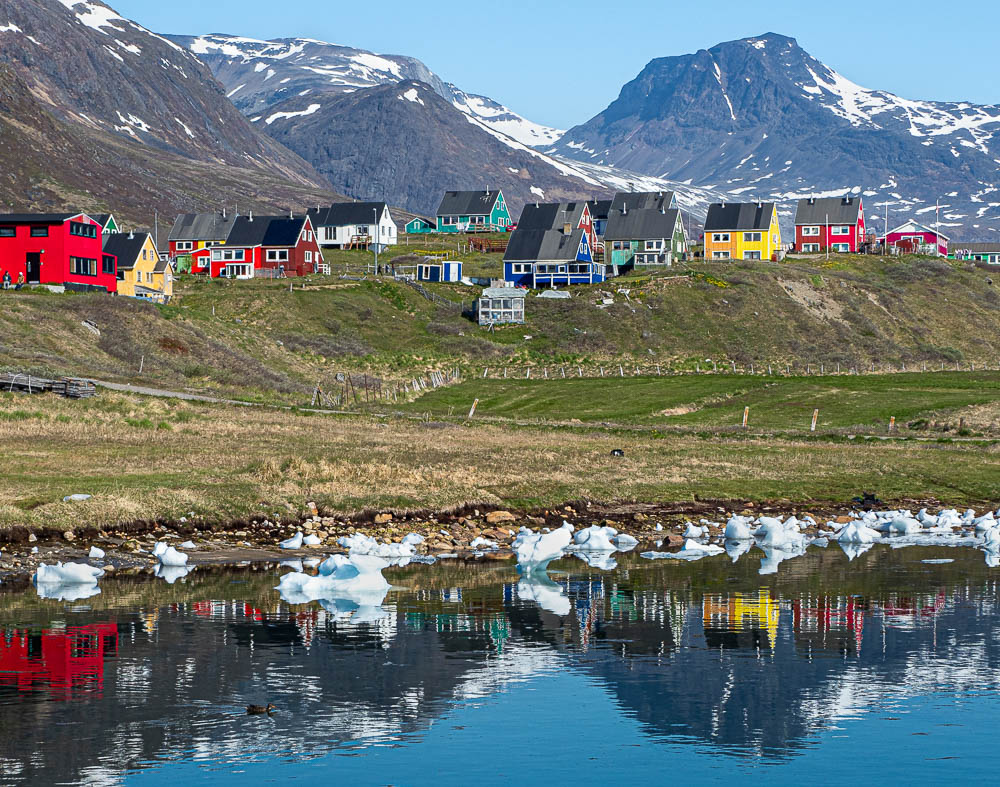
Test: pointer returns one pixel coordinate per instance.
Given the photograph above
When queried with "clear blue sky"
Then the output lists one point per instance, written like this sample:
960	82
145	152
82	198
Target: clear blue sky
560	63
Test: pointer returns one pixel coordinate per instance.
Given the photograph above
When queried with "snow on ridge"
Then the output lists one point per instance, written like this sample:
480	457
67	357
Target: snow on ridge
184	126
312	109
96	17
505	120
413	96
10	28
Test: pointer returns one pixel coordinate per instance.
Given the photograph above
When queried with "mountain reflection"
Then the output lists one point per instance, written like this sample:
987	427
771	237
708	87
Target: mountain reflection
708	652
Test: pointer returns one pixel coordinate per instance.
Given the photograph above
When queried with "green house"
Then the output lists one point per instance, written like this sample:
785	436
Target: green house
473	211
419	226
644	229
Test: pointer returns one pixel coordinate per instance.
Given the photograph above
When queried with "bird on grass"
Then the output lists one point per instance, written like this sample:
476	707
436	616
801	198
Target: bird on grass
257	710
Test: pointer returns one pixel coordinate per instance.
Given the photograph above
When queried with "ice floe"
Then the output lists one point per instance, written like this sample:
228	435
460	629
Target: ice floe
361	544
349	586
295	542
595	539
534	551
67	581
96	553
691	550
168	556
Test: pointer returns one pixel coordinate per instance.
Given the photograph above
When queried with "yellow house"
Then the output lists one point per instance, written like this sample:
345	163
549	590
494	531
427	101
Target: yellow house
141	273
742	231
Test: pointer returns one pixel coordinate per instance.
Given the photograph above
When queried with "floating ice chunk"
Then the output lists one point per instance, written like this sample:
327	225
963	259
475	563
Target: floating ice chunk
482	543
903	526
822	543
625	542
311	562
361	544
412	540
658	527
857	533
188	545
774	533
311	541
171	574
985	522
168	556
538	587
738	529
96	554
693	531
938	561
357	578
991	538
539	549
595	539
295	565
295	542
159	548
67	574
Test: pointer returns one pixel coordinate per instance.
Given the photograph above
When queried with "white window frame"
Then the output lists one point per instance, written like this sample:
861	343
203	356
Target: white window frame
720	255
720	237
275	255
840	229
810	232
753	237
810	247
841	248
184	245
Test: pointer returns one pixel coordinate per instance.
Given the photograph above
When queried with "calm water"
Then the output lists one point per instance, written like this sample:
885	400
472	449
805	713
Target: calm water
884	668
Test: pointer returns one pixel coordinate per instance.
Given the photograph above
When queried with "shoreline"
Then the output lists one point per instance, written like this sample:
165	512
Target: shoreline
451	532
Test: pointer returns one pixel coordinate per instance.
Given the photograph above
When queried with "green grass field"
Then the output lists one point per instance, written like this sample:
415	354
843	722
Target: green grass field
718	400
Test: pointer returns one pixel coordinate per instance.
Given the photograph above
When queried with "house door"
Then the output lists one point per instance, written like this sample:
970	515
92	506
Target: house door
33	267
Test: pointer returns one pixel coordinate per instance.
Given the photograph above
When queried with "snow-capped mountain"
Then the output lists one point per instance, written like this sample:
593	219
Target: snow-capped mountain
264	73
762	118
96	110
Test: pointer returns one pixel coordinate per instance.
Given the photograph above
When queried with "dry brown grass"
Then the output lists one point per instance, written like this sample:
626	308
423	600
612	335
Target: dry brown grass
144	459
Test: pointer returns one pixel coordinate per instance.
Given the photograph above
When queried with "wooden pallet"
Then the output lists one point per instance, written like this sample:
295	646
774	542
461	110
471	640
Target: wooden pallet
70	387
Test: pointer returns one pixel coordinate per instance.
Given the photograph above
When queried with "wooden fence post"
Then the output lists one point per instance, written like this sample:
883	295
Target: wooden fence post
746	416
815	416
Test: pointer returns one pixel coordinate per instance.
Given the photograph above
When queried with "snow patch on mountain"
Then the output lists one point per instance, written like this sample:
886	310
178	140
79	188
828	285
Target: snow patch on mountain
310	110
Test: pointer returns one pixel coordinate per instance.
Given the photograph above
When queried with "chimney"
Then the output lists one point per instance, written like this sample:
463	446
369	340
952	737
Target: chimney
291	214
812	200
131	234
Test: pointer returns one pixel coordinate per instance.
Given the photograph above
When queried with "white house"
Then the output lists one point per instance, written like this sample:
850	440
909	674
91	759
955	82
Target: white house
353	225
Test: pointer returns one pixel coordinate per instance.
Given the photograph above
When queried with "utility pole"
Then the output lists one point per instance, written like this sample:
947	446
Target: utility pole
937	227
376	241
827	237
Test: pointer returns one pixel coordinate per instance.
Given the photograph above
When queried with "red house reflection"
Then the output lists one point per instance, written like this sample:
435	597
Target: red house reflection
63	661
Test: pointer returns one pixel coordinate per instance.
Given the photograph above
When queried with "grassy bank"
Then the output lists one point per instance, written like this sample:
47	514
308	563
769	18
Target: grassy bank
931	402
145	459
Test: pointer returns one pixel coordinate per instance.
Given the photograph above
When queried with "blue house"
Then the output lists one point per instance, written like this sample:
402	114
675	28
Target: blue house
551	258
446	271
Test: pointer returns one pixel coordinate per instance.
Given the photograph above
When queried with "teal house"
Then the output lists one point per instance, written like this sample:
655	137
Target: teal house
419	226
473	211
644	229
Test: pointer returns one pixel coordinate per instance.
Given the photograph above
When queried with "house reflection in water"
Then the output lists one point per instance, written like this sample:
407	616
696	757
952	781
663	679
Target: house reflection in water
63	661
740	620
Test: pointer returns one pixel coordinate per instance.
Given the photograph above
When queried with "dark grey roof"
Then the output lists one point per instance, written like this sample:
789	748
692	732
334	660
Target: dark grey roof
599	208
341	214
467	203
739	216
641	225
265	231
100	218
428	222
162	266
642	199
542	245
550	215
36	218
836	210
975	248
202	226
125	246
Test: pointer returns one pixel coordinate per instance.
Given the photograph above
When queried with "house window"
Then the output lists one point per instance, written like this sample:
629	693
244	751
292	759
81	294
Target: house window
8	232
751	255
810	231
477	220
720	237
449	220
620	245
520	267
82	230
840	230
108	265
844	247
227	255
362	229
309	256
808	247
751	237
329	233
720	255
184	245
654	245
82	266
277	255
39	232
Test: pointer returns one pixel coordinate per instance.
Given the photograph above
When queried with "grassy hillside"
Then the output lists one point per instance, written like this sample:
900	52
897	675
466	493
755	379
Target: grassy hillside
261	340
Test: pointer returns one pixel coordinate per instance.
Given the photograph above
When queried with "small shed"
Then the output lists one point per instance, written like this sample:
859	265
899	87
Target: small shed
420	225
501	305
445	271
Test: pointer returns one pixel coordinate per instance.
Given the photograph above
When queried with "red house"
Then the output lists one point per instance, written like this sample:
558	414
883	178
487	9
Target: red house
270	246
60	660
914	238
837	223
56	248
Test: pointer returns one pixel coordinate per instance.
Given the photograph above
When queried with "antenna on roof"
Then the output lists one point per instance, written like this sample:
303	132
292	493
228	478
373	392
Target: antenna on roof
624	208
251	214
291	213
223	211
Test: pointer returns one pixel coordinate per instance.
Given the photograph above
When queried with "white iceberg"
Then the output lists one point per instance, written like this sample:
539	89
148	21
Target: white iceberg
311	541
625	542
361	544
691	550
775	533
96	553
295	542
354	585
693	531
482	543
595	539
67	574
857	533
168	556
536	550
188	545
412	540
738	529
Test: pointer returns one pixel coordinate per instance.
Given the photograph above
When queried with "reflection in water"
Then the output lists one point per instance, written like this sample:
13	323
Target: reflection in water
749	665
